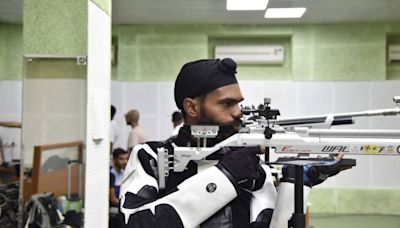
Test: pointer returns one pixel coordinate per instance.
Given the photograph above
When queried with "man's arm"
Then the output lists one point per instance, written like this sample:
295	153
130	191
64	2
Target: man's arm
191	203
263	201
111	137
113	200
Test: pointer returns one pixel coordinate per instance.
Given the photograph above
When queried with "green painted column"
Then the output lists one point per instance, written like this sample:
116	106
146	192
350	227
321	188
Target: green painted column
57	27
10	52
54	29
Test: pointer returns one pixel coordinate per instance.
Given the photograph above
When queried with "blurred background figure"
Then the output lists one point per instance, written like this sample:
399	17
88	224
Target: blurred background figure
137	134
177	121
114	129
120	158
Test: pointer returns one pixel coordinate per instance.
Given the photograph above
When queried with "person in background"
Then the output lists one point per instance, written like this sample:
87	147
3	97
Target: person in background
137	134
177	122
114	129
120	158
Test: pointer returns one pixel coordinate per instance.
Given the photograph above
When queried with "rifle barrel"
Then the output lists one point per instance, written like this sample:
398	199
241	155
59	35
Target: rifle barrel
338	119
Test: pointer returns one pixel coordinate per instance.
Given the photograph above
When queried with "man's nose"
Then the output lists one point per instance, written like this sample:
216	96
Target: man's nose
237	112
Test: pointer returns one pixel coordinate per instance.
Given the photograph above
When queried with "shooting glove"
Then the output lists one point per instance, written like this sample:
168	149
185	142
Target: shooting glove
242	168
314	174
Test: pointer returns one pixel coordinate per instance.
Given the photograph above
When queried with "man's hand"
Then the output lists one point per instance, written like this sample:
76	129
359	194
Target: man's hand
315	174
242	167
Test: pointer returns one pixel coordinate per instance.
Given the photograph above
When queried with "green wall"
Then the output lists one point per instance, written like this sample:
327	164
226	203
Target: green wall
313	52
10	52
45	33
146	52
355	201
55	28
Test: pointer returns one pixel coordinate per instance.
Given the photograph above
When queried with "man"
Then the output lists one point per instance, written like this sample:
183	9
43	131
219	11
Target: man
177	122
137	134
233	191
120	158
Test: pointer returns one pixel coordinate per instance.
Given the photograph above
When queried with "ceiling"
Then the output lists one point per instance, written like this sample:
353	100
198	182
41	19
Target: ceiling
213	12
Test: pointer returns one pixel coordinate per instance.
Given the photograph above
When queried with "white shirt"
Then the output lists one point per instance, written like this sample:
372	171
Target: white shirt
114	133
137	135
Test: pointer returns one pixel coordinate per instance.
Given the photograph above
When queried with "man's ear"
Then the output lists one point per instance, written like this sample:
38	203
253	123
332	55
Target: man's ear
191	107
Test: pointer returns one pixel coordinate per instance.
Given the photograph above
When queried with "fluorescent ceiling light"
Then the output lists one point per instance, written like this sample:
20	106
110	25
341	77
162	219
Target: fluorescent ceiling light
284	12
246	4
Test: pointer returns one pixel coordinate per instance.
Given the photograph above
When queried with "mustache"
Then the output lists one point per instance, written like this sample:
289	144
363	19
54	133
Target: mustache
229	129
235	122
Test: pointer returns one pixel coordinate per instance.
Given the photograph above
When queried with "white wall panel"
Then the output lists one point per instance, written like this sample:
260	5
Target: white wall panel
143	97
380	96
53	113
118	99
34	104
166	107
314	98
68	104
354	93
351	97
283	96
10	98
385	171
253	92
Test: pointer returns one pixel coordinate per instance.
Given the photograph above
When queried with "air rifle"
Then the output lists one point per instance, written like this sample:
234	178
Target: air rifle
302	136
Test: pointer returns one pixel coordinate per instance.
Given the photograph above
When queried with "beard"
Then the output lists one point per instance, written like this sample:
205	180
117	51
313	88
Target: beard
225	129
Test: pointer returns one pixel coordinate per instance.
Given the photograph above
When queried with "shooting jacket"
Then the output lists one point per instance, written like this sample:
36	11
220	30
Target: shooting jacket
200	196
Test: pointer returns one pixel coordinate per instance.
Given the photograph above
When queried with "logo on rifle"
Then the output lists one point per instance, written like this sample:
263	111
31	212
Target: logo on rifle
335	149
370	149
390	150
290	149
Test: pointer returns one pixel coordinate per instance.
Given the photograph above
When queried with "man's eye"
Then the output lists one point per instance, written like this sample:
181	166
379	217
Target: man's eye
229	103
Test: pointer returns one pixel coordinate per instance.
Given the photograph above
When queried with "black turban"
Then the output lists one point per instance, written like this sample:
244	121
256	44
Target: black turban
203	76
